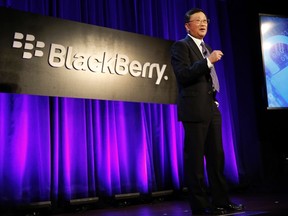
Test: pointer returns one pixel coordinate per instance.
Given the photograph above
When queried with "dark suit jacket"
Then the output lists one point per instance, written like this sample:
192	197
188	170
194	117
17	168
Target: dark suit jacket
195	96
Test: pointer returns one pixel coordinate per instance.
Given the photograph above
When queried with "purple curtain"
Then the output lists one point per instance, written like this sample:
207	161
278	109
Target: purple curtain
54	148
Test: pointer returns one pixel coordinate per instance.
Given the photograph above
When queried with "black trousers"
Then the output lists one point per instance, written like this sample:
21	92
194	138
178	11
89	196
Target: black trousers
203	146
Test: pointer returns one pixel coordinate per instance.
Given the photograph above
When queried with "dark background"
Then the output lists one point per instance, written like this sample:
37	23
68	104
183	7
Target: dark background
271	124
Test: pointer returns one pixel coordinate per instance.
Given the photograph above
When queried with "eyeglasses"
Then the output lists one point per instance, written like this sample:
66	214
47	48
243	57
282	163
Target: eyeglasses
198	21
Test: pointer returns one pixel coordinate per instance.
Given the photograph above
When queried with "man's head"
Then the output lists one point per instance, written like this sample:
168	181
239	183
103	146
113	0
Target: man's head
196	23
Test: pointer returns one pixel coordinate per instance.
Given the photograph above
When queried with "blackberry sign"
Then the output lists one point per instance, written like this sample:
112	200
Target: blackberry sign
43	55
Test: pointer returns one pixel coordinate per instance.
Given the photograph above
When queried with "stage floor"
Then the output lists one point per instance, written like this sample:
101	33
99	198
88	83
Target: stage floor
273	204
260	203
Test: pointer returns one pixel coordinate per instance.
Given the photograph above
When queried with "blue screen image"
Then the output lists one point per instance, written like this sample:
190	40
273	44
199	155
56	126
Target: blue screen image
274	45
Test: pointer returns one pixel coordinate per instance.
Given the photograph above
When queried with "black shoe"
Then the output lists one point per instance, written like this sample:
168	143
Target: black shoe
209	211
233	207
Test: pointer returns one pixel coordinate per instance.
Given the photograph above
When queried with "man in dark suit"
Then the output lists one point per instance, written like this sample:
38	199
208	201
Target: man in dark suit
193	64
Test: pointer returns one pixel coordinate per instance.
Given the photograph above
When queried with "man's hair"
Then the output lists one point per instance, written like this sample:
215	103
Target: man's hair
191	12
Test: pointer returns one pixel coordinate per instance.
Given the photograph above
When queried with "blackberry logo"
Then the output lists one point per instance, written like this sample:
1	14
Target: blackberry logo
60	56
29	44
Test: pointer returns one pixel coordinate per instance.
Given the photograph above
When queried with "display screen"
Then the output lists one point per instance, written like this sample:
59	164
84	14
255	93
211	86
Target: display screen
274	46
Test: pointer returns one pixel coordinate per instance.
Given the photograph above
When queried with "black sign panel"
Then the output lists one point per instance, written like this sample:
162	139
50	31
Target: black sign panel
43	55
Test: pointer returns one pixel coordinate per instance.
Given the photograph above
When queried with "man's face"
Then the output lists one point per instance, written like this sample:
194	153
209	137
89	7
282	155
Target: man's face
198	25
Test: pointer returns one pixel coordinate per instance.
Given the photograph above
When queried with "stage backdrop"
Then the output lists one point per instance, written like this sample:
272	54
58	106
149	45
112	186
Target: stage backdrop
62	148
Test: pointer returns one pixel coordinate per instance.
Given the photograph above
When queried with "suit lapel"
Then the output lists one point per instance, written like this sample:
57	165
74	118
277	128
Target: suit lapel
193	47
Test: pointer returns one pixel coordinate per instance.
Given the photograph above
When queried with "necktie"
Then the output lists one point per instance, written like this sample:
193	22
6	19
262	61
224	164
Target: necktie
213	73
